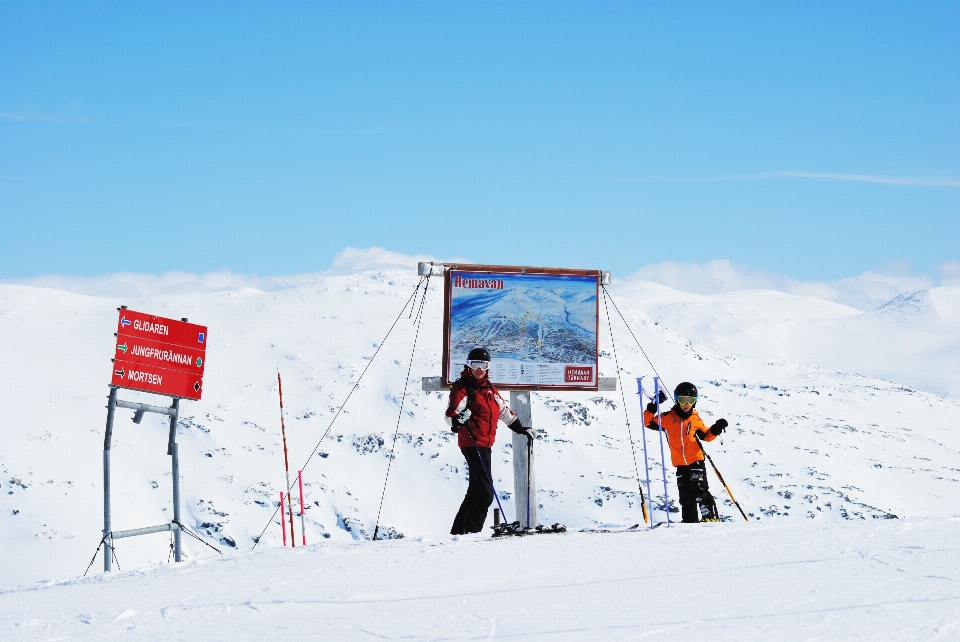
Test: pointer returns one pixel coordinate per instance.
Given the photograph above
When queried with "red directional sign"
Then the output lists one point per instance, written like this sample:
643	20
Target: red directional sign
163	355
147	326
159	355
161	381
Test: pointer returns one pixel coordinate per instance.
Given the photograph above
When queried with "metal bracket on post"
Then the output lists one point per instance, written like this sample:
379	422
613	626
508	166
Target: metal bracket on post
435	384
524	479
139	409
426	268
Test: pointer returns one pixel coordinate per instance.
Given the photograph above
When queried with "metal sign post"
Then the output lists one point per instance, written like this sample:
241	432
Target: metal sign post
524	480
164	366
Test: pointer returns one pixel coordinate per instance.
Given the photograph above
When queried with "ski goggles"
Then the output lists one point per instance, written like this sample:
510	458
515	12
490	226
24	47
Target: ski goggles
686	401
479	365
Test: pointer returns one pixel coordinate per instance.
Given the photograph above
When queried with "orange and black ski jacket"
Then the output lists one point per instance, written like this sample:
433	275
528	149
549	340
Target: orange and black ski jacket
486	405
684	449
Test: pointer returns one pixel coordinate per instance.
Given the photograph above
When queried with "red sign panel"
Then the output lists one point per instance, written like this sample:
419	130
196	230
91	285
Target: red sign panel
147	326
159	355
163	355
161	381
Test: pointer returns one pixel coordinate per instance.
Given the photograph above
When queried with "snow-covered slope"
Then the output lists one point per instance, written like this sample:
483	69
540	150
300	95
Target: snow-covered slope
875	580
807	445
913	339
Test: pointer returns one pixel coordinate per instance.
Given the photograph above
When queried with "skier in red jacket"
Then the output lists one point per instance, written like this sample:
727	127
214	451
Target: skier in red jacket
683	427
474	409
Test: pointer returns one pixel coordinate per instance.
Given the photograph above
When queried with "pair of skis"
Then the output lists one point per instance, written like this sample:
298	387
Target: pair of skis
514	529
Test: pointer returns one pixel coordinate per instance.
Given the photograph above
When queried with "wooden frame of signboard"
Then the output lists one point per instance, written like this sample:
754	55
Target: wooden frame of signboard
519	270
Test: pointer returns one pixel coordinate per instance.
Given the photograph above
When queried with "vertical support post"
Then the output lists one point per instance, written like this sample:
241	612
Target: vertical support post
107	442
524	479
173	451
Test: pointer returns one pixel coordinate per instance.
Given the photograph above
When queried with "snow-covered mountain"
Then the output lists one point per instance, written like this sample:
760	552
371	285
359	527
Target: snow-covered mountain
808	444
913	339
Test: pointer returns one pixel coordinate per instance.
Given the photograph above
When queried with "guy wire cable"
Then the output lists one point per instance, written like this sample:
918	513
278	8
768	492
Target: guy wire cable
633	450
607	293
403	399
352	390
95	553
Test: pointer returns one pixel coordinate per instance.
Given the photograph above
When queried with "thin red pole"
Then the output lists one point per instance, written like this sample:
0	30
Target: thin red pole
303	526
283	524
286	463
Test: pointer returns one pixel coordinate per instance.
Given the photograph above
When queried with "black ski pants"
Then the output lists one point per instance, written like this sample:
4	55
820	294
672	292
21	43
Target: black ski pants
693	489
476	503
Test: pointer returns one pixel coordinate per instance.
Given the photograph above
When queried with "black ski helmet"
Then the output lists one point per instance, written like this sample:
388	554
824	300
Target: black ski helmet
685	389
478	354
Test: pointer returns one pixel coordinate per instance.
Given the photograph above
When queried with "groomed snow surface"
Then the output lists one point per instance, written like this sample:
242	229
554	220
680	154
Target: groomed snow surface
851	481
894	580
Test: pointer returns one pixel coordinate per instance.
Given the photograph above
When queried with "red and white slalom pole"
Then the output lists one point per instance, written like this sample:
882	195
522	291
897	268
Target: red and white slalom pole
303	525
286	462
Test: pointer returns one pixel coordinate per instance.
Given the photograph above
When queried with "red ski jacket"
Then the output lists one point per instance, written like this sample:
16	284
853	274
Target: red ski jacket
684	449
487	407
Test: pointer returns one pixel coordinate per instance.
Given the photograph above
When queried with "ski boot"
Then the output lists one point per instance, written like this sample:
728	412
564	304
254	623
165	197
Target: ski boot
512	528
709	513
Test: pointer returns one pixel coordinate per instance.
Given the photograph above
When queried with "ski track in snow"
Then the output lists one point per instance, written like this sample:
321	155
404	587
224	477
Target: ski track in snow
830	456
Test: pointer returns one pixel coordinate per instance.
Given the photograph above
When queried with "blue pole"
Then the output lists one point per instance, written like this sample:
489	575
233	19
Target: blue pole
663	459
646	460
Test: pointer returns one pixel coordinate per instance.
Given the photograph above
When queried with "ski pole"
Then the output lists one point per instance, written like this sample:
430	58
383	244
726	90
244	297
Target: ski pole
663	458
646	459
484	466
720	477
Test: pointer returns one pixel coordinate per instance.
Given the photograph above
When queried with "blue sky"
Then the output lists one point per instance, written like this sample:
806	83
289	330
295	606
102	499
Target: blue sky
811	140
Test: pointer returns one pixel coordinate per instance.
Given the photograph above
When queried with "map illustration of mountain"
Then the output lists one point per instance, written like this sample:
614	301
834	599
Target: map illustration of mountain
529	318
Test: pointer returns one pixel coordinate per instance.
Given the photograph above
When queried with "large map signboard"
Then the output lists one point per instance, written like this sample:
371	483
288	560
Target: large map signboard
539	325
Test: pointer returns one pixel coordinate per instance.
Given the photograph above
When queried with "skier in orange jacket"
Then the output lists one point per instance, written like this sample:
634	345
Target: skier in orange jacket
682	427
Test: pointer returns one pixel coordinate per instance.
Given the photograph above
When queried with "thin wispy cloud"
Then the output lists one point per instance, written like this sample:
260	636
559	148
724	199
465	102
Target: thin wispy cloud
880	179
351	260
867	178
28	117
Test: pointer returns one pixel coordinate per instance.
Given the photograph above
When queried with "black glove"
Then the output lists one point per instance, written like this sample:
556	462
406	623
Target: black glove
464	416
518	428
652	406
700	434
653	425
719	427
